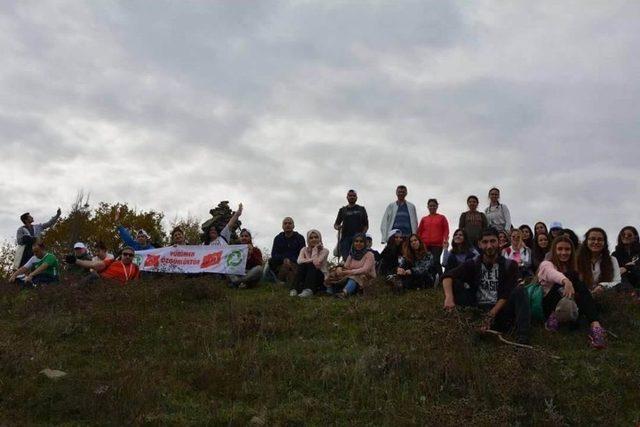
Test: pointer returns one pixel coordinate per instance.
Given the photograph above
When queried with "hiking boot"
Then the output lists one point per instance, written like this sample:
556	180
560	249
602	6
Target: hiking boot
598	338
293	293
306	293
552	323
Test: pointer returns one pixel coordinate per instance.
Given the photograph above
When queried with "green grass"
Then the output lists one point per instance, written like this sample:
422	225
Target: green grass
193	352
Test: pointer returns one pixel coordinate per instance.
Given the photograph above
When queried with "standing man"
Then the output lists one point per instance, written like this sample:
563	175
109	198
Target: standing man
285	251
27	234
351	219
434	232
400	215
489	282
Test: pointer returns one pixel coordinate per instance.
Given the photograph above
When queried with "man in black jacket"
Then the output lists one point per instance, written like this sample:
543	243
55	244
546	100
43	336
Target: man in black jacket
351	219
490	283
284	252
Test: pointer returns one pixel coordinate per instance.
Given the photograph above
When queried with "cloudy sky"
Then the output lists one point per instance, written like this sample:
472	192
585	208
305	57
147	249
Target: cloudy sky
284	106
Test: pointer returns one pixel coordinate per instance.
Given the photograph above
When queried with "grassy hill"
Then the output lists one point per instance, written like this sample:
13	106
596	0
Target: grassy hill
173	351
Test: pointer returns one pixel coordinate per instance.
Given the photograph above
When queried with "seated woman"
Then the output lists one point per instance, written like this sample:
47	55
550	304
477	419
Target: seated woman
559	278
460	252
417	265
519	253
358	270
253	269
214	237
540	250
42	268
312	267
391	253
598	269
628	255
527	235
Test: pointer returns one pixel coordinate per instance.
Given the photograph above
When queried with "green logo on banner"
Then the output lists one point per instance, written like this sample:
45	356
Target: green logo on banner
234	258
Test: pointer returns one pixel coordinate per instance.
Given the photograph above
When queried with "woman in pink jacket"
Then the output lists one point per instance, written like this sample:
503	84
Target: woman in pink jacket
312	266
359	268
559	278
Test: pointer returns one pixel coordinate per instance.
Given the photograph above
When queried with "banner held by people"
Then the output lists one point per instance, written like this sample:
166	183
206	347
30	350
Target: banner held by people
230	259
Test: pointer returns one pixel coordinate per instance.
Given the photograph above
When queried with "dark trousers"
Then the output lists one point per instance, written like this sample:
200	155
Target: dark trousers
415	281
345	246
39	279
436	251
308	277
283	273
517	311
584	301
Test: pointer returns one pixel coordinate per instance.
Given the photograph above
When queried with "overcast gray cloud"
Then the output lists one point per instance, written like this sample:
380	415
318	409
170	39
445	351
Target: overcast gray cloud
286	105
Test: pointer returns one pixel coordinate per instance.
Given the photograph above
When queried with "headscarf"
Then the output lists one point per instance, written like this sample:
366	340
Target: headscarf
358	254
308	248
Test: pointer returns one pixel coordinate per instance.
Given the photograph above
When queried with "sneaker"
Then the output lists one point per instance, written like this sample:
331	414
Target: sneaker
293	293
598	338
242	285
552	323
306	293
340	295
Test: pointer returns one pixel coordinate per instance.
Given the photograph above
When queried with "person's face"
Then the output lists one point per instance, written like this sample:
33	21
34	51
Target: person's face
369	243
595	242
539	229
502	239
79	251
38	251
627	237
102	253
563	251
414	242
287	225
433	207
245	238
401	193
314	240
543	241
494	196
516	237
141	239
178	237
490	245
127	257
29	219
398	239
458	237
358	243
526	234
213	233
472	204
555	232
352	198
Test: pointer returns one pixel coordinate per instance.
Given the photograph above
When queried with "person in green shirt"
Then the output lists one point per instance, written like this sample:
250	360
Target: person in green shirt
41	268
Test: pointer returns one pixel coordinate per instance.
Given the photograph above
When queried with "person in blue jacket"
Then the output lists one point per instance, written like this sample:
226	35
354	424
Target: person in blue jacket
140	243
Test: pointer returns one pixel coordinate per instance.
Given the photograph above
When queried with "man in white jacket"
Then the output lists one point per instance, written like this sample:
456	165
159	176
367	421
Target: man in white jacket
400	215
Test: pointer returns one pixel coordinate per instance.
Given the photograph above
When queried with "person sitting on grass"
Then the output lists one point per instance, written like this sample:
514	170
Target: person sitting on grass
376	254
253	268
598	269
101	252
559	279
312	267
41	268
80	251
391	253
417	266
519	253
489	283
214	237
284	252
540	228
140	243
628	255
122	270
358	270
540	250
461	251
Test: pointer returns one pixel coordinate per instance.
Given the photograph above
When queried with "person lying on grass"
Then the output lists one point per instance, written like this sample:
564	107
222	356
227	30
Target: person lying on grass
357	272
121	270
41	268
559	279
312	267
489	282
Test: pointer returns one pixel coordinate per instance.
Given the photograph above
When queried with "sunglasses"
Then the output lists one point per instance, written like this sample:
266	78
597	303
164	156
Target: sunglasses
127	254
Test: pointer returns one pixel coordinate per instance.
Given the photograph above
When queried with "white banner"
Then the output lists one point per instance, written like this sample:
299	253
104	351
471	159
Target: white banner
230	259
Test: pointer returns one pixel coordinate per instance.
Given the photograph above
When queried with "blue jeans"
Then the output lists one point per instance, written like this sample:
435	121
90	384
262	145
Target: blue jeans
351	287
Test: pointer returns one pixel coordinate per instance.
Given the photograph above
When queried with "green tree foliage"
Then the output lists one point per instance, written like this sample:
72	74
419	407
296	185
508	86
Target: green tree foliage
191	228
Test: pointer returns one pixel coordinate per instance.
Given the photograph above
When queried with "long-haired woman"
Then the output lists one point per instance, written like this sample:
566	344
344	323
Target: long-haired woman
598	269
628	255
417	265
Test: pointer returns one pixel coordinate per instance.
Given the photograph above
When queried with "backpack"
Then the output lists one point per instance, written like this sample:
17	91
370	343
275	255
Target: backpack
535	294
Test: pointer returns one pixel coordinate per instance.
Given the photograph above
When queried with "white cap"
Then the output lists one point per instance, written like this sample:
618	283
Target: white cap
144	233
79	245
392	233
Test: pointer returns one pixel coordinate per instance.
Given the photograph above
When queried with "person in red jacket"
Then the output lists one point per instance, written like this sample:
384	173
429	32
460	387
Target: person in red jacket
434	233
253	269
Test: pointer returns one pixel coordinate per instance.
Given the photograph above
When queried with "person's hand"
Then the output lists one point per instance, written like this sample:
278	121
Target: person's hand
239	211
569	291
28	278
599	289
12	278
70	259
117	216
486	322
449	303
400	271
59	212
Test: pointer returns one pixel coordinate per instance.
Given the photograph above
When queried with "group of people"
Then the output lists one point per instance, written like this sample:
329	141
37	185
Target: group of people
511	273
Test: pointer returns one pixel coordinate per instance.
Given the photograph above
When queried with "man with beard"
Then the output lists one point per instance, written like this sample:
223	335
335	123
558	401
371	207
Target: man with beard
351	219
489	282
